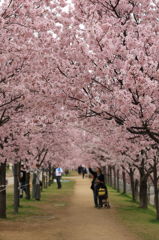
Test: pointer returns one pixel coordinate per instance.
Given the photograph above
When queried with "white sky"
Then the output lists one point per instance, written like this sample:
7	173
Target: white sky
1	1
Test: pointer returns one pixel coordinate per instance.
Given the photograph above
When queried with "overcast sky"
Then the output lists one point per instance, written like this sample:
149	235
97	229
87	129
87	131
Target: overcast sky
1	1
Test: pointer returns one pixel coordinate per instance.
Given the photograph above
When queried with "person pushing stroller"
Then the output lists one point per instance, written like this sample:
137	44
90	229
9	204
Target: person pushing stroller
98	186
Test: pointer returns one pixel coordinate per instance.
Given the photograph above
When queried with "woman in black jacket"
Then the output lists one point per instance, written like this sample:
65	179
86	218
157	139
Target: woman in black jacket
98	180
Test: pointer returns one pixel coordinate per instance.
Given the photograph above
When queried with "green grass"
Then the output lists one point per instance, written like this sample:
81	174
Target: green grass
29	208
139	221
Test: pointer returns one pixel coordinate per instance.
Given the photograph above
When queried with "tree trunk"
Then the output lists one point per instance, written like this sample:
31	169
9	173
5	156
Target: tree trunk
28	186
33	185
53	174
43	180
16	187
136	187
19	168
124	182
118	184
3	190
110	176
143	182
156	190
50	173
115	177
143	192
131	174
46	179
37	186
149	193
37	192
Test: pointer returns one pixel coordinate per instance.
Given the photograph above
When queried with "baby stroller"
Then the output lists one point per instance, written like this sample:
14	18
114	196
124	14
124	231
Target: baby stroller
103	196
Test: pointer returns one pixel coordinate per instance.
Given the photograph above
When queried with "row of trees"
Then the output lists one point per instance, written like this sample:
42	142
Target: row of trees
79	78
31	115
117	64
138	168
140	175
24	180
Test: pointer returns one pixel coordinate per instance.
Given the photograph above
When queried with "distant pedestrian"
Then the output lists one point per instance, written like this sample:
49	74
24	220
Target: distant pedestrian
84	171
58	175
79	169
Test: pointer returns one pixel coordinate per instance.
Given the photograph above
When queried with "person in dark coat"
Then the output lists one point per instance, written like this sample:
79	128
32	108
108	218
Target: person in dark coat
97	182
84	171
79	169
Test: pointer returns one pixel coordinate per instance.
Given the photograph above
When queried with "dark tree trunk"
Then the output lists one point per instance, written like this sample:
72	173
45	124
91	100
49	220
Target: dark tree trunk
143	192
28	186
50	173
36	187
110	176
115	178
43	180
118	183
143	185
156	190
148	193
136	189
37	192
131	174
53	174
124	181
46	179
45	185
16	187
3	190
156	200
143	195
33	185
19	168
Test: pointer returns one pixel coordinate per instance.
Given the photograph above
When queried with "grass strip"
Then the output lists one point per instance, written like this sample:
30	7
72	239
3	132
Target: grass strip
139	221
29	208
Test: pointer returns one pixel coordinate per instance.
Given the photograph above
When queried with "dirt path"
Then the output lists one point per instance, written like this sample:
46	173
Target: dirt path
79	221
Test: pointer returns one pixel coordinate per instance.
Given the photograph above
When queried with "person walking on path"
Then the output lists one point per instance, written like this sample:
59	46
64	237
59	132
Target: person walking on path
84	171
58	175
79	170
97	182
